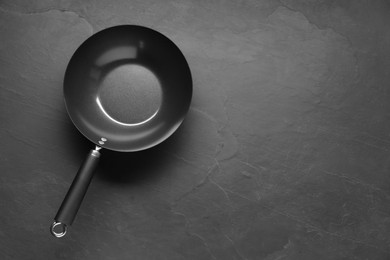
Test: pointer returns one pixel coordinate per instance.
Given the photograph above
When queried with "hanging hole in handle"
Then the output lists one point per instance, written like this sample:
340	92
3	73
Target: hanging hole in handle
58	229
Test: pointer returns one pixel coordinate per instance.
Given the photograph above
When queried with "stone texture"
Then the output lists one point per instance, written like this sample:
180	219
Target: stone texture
283	155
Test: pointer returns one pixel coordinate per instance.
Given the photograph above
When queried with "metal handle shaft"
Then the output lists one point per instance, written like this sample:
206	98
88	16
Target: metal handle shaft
72	201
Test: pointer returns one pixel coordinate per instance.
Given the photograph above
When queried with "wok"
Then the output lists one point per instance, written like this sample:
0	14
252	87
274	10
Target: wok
127	88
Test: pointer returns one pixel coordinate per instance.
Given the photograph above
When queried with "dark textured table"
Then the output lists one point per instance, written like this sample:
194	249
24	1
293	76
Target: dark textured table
285	152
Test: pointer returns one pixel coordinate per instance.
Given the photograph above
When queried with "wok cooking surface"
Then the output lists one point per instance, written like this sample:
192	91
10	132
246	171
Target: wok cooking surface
128	85
129	94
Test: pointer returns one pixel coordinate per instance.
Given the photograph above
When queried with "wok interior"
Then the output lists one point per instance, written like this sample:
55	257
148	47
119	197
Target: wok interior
127	87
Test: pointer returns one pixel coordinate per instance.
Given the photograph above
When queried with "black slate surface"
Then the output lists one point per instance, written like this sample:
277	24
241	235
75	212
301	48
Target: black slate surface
284	153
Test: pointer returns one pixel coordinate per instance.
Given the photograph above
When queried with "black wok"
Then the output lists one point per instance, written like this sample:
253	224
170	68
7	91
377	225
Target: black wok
127	88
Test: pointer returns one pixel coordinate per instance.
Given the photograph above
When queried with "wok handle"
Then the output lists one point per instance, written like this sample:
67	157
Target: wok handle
71	204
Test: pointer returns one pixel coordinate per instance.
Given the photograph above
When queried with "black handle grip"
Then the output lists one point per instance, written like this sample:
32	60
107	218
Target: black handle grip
71	204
